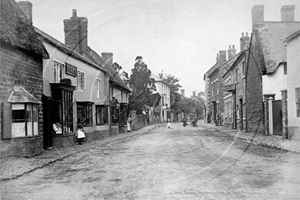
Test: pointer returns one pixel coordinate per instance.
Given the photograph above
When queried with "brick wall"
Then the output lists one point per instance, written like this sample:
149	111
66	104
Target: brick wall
19	67
254	97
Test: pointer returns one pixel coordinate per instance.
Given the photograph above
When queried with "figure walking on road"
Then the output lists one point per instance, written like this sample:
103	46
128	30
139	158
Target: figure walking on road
80	134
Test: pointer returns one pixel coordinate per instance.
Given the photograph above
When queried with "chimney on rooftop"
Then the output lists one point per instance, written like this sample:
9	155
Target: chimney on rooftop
222	55
194	93
26	7
244	41
287	13
257	16
107	57
231	52
76	32
182	92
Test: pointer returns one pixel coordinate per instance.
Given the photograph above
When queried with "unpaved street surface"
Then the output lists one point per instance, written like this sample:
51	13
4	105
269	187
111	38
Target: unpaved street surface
178	163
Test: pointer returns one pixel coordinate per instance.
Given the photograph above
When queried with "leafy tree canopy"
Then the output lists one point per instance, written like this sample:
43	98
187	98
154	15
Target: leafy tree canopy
142	86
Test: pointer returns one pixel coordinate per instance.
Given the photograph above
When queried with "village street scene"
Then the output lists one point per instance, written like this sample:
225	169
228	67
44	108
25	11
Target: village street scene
150	99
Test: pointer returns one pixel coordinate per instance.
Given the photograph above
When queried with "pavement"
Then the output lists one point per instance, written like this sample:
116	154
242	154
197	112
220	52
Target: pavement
13	167
272	141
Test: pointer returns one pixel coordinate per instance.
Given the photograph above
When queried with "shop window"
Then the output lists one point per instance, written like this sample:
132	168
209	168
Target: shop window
101	115
24	120
85	114
62	108
58	71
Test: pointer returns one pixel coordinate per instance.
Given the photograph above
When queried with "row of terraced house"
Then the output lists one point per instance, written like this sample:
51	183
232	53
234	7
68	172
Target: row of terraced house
258	88
48	87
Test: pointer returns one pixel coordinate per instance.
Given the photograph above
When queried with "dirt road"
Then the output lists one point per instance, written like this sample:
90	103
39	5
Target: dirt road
178	163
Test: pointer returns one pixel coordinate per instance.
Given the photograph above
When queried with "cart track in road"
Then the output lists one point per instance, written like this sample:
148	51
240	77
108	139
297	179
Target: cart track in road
179	163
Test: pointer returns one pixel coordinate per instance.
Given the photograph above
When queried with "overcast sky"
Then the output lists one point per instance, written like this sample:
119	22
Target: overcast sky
180	37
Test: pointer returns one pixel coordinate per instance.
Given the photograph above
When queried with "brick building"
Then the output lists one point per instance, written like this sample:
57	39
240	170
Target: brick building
234	88
212	88
21	55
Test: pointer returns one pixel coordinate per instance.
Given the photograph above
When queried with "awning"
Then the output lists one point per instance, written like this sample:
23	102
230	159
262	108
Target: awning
21	95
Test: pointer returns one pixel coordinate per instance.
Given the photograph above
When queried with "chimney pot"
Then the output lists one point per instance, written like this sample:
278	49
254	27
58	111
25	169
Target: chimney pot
246	34
74	13
242	34
233	46
229	46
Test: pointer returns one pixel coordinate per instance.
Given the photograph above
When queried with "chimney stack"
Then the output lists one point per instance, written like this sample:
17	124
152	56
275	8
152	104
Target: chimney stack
107	57
244	41
231	52
222	55
257	16
287	13
26	7
194	93
76	32
182	92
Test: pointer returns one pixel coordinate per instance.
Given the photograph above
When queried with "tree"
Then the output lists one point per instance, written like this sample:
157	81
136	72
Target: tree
142	86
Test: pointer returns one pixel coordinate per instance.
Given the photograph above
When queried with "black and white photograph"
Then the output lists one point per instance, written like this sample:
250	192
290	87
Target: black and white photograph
150	99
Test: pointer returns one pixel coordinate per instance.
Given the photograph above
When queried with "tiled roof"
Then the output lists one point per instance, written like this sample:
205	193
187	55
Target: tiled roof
272	36
293	36
17	30
227	66
115	78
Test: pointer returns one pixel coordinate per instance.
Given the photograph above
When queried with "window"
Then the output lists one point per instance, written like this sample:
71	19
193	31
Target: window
217	88
243	68
101	115
62	111
284	68
58	71
114	114
80	80
297	100
25	120
237	75
85	114
98	88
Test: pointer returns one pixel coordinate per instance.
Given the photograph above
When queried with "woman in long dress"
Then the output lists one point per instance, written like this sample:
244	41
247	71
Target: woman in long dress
129	119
